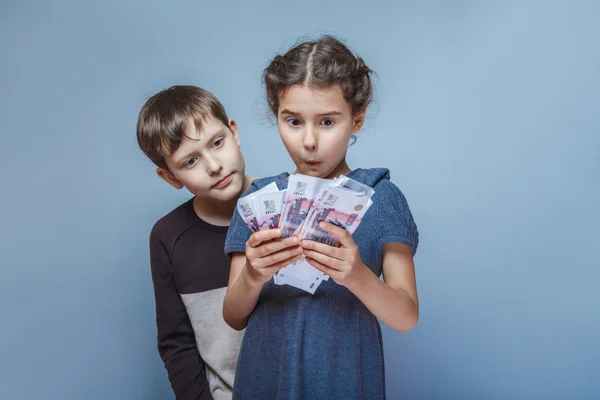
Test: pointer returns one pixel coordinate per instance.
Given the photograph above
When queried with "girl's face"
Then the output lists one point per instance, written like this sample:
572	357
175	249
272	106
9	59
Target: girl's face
315	125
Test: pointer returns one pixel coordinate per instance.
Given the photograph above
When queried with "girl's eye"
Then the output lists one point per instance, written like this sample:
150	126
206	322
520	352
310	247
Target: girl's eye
217	143
327	122
294	122
191	162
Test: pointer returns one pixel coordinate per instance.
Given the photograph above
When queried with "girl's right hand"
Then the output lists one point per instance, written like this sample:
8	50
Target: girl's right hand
266	254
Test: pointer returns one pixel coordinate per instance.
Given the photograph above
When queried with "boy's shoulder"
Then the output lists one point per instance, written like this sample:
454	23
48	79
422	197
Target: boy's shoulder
178	220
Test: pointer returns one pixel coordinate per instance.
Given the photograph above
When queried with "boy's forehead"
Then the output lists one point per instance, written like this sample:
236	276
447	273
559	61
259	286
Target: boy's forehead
208	128
194	138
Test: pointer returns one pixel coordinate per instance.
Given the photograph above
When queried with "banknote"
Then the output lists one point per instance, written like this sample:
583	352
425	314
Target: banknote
268	207
343	202
301	269
292	280
300	195
249	211
359	189
298	210
339	206
313	208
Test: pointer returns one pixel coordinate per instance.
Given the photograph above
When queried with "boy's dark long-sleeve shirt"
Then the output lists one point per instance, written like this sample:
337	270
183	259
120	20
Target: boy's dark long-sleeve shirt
190	272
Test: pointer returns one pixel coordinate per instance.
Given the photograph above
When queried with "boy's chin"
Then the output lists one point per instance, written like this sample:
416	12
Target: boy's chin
230	193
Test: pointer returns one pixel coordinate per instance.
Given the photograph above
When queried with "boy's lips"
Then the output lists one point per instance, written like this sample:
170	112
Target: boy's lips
223	182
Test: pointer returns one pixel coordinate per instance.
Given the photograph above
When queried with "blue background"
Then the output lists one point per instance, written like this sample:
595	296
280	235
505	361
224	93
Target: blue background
487	114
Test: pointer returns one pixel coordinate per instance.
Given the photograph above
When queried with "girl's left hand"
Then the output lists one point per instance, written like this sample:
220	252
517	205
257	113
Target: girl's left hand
343	264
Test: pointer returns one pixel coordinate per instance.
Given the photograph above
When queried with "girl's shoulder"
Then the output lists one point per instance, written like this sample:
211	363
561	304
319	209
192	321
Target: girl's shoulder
379	180
390	215
259	183
389	203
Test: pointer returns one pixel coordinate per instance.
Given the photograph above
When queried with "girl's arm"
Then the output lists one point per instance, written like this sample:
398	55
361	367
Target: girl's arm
265	255
395	301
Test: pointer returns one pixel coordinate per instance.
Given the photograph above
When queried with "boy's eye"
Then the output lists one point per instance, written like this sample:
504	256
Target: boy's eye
327	122
217	143
191	161
294	122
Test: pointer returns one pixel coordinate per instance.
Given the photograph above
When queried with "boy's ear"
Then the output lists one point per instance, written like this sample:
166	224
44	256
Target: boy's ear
234	129
168	177
358	120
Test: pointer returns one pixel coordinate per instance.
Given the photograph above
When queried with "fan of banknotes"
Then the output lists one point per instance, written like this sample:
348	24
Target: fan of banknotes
298	210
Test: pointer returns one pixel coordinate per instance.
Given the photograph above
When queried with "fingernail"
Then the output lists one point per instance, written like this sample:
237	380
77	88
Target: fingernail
305	243
294	239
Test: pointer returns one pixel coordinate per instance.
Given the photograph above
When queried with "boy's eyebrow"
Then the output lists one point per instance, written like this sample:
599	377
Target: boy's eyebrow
210	137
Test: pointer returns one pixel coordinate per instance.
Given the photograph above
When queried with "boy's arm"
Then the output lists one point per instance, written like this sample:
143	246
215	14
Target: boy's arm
176	339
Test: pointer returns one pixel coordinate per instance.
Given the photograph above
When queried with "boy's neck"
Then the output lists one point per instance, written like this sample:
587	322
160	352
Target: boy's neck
219	213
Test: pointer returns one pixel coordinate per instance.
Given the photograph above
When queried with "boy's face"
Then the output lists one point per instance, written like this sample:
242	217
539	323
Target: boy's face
208	163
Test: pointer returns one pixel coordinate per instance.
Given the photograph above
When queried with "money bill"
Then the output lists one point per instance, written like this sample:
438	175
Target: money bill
308	286
300	195
269	207
248	210
339	207
298	211
344	203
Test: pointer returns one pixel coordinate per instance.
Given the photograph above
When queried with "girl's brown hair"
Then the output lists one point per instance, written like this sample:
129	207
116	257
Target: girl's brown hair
321	63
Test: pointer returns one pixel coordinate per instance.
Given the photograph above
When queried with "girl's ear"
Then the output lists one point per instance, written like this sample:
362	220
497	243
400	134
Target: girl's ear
358	120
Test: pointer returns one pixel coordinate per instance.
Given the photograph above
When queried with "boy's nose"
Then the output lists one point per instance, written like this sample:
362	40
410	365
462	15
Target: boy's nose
213	166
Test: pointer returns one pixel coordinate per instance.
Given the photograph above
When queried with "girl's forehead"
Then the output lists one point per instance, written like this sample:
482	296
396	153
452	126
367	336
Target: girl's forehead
303	98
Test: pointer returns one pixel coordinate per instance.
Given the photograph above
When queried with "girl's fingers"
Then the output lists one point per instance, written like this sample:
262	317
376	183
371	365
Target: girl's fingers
263	236
276	267
323	248
283	255
342	234
321	267
323	259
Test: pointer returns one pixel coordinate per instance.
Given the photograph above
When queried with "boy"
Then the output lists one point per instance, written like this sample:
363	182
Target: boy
185	131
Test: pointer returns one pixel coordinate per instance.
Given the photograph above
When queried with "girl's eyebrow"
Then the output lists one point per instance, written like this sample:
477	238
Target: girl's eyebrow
330	113
286	111
290	112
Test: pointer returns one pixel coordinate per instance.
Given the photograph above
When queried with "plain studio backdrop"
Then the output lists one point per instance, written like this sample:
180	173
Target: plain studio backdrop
487	115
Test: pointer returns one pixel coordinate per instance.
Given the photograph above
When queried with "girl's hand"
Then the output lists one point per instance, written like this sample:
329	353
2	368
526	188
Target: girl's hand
266	254
343	264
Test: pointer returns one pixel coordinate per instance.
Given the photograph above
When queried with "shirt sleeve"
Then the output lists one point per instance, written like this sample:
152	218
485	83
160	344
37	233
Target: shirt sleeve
395	219
176	340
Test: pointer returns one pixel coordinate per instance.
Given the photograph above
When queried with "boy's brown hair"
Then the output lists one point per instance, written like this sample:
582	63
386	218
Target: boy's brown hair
164	117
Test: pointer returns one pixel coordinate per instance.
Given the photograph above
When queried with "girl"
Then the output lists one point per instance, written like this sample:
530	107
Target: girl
327	345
